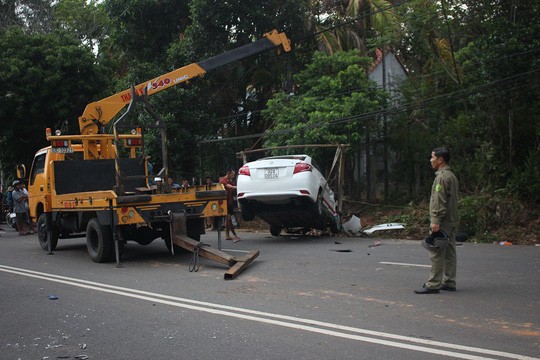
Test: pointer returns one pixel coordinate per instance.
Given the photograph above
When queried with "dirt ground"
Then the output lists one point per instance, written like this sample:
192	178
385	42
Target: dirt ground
416	225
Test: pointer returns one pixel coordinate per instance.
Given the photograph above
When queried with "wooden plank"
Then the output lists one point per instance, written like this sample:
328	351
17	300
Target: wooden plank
180	238
204	251
242	263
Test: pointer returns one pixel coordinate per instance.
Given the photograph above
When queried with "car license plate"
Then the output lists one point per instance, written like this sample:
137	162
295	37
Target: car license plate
272	173
62	150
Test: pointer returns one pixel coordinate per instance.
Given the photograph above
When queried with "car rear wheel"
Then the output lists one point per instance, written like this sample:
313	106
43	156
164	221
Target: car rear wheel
321	212
275	230
335	224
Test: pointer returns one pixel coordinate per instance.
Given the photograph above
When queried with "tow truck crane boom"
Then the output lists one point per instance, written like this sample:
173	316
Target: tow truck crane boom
103	111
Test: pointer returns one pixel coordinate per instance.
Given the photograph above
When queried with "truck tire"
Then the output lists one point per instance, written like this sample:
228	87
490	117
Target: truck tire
99	241
42	233
275	230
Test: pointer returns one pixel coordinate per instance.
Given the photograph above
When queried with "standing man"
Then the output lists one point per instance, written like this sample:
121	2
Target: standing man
443	215
19	206
230	186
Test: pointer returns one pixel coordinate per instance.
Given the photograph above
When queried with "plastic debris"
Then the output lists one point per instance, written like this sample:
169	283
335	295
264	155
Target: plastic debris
53	297
352	225
505	243
388	226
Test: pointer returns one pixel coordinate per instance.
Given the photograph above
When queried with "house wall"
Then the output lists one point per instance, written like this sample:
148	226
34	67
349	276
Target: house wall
395	73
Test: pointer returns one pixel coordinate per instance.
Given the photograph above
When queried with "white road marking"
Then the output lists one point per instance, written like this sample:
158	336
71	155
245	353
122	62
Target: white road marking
274	319
403	264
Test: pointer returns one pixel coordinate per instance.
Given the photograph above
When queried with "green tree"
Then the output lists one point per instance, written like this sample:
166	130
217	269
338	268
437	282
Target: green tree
330	106
34	16
353	23
142	30
46	80
233	96
86	19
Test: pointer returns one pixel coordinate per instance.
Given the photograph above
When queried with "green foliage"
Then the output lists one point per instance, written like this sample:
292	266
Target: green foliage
143	29
525	180
86	19
46	82
332	92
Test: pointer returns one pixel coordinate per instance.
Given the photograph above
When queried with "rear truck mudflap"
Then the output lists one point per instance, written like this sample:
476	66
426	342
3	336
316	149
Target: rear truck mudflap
179	237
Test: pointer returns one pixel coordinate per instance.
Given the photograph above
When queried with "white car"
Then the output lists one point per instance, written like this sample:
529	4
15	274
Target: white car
287	192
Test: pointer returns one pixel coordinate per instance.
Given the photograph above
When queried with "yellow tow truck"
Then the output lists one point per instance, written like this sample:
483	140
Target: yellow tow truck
82	184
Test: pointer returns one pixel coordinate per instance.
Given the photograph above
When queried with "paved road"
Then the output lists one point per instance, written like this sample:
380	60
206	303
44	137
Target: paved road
302	298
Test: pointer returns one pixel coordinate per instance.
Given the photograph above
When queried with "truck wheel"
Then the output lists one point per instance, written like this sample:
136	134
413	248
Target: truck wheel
99	241
42	233
275	230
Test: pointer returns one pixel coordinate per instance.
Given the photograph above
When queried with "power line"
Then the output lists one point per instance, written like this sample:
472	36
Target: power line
415	105
417	77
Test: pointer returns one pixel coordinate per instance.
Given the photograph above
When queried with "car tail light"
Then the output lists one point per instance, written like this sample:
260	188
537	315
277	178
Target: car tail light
304	192
244	170
301	167
240	195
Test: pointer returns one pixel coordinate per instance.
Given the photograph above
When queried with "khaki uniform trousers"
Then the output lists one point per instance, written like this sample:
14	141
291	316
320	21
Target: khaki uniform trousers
444	264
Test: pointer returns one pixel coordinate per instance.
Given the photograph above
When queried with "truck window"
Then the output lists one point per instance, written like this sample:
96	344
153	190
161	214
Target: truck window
38	167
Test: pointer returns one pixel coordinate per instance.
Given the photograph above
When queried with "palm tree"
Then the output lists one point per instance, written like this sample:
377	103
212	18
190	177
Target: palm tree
350	25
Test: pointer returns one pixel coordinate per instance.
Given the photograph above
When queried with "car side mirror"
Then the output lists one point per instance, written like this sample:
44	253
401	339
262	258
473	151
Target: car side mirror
21	171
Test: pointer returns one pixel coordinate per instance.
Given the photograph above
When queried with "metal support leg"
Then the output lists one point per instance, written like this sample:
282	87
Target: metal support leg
218	227
48	219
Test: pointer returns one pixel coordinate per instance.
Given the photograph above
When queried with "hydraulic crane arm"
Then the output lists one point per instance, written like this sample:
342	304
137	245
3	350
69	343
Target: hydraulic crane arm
103	111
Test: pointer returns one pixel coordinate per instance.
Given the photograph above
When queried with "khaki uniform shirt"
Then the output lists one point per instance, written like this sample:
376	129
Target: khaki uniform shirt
444	198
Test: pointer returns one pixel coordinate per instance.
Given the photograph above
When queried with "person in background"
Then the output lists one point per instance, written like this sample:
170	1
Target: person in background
9	198
443	213
185	183
230	185
172	185
31	227
158	185
19	206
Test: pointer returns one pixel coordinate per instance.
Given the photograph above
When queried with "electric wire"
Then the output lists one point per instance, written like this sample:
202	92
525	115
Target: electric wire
411	106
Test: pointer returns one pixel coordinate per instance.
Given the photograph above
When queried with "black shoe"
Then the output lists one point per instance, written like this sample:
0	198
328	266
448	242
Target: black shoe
425	290
448	288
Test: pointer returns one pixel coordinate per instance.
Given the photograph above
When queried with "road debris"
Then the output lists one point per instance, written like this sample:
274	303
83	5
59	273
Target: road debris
351	226
388	226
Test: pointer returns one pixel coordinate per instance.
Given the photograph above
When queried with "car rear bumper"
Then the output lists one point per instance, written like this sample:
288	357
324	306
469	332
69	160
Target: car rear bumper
276	199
